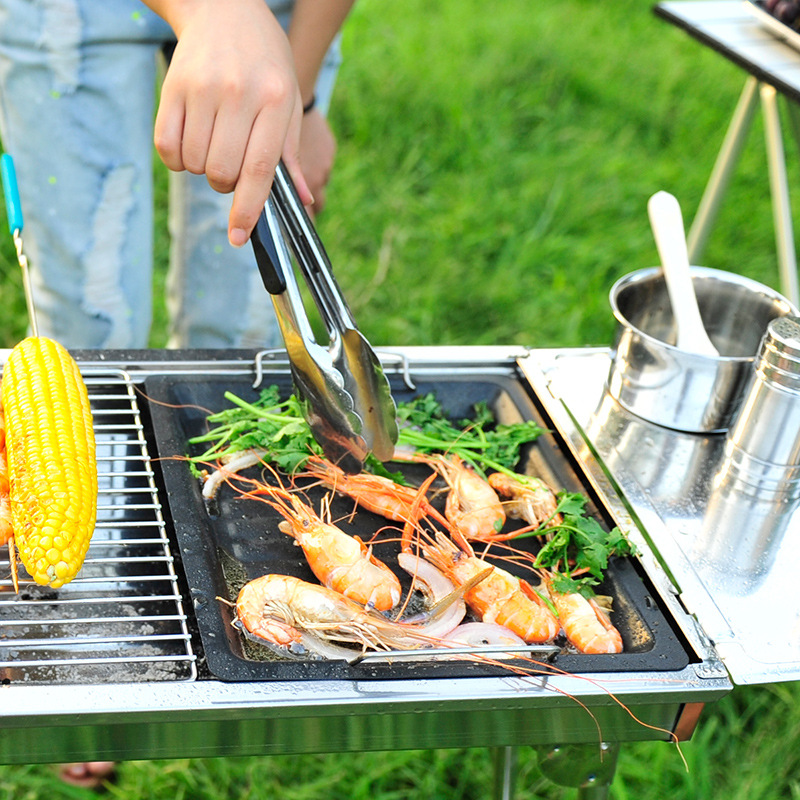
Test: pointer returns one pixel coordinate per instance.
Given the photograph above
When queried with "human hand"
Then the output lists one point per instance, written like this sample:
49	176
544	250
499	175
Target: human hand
230	104
317	152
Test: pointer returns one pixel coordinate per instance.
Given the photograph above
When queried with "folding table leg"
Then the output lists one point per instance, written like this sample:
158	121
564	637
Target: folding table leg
779	187
505	772
732	145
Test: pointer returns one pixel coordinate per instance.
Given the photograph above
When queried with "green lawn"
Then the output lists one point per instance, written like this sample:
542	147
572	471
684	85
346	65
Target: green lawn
495	162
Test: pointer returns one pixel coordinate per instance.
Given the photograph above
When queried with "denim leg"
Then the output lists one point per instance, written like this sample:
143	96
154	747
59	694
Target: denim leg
215	296
77	84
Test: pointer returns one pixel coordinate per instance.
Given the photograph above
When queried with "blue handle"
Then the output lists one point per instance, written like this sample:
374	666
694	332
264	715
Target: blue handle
11	193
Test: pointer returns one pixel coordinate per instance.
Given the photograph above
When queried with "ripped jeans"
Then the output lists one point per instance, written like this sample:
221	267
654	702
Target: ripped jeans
77	99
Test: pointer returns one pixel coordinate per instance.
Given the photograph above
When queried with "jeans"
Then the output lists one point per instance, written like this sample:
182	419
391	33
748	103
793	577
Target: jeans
78	85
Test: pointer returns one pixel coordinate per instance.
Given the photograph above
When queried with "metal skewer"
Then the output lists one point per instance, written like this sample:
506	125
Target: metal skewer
14	213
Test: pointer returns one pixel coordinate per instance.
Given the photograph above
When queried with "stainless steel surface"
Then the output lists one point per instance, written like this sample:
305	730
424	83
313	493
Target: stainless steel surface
82	719
651	377
122	618
357	362
328	406
768	426
725	544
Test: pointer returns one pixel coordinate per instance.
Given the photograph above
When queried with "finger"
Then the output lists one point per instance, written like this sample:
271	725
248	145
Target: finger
319	201
168	131
198	129
291	158
255	178
226	150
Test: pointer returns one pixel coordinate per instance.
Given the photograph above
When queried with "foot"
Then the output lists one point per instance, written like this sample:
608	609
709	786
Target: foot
87	774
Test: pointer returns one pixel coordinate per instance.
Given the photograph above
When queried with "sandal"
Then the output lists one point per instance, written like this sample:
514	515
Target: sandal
87	774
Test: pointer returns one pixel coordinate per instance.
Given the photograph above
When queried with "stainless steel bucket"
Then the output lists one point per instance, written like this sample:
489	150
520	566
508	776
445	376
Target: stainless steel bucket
679	390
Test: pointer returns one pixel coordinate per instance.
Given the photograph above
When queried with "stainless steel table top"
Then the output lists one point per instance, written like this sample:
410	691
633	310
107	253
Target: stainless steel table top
729	551
730	28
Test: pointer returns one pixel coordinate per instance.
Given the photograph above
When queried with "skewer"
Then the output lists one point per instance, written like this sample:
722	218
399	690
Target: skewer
14	213
545	651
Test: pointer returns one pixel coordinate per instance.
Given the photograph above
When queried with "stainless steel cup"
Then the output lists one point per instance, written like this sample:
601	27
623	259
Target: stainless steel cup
756	491
654	379
767	427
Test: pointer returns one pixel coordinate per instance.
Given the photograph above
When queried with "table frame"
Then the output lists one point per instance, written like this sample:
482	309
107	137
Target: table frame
774	68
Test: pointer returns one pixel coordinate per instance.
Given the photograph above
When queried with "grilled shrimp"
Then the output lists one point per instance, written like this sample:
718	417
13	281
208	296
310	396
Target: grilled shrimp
528	498
340	561
585	624
375	493
500	597
472	505
6	530
281	608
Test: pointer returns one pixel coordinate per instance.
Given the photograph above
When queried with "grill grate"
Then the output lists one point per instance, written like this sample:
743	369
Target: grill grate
122	617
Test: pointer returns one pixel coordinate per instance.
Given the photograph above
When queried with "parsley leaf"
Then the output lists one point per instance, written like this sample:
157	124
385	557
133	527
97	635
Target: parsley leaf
478	441
578	548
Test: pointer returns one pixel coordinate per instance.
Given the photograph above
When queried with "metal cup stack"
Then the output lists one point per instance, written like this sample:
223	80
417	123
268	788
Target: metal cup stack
757	488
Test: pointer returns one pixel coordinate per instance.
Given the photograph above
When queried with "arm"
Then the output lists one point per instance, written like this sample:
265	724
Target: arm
314	25
230	104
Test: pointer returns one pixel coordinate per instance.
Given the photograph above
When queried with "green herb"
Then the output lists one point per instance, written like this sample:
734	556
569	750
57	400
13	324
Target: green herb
424	426
275	426
577	550
278	427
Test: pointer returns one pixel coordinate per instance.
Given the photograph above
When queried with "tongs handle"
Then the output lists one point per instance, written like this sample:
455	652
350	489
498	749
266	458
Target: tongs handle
267	258
311	255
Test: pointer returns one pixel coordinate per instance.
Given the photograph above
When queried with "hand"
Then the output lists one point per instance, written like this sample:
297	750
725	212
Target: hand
230	104
317	152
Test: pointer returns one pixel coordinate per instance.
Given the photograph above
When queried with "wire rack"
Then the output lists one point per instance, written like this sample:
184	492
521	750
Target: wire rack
121	619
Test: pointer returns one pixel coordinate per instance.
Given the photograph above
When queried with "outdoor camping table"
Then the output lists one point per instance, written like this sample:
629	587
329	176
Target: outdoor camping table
731	29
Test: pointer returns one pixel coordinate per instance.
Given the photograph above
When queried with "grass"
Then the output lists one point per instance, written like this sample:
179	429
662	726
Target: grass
492	180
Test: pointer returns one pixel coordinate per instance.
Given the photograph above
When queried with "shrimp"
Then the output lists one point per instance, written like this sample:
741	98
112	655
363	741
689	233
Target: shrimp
472	504
281	608
6	529
530	499
340	561
6	526
585	623
500	597
375	493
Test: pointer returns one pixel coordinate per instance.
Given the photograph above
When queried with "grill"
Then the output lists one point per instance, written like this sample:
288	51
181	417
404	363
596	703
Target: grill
136	658
122	619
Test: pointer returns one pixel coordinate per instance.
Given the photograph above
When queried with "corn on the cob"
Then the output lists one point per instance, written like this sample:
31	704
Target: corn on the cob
52	465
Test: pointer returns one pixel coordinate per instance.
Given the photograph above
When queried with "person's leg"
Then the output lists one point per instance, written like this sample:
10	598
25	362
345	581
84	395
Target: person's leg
77	84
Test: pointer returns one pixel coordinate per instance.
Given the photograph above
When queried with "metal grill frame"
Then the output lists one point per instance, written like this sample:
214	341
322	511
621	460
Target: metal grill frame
79	632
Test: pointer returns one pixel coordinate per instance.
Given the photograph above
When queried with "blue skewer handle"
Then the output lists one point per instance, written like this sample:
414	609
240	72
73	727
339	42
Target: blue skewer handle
11	194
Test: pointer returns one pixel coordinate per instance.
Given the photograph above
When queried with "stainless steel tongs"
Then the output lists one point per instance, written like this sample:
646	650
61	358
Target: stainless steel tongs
345	394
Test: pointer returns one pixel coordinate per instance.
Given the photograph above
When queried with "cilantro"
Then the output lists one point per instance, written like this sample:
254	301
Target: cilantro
577	549
478	441
277	427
